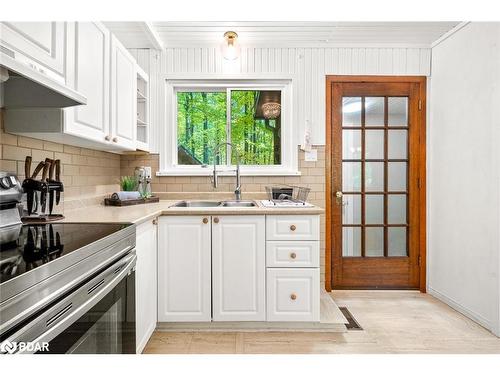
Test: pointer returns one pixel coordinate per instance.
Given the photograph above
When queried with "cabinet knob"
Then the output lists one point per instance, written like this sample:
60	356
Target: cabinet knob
216	220
293	296
115	139
155	221
293	255
292	227
107	138
205	220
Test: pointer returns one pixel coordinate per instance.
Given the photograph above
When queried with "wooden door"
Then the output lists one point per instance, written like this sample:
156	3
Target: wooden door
184	263
376	182
239	268
123	96
145	283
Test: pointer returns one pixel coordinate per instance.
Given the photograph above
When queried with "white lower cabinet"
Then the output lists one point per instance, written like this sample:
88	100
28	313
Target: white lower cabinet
293	294
238	268
184	263
213	268
145	283
292	251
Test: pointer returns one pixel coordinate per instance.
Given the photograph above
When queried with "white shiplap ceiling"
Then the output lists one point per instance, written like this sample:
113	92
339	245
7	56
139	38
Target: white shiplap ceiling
286	34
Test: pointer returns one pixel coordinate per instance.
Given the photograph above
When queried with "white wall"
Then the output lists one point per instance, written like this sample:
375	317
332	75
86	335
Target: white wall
464	173
308	66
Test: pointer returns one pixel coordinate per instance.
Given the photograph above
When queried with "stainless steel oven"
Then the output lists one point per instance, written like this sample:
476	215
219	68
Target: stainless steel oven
80	301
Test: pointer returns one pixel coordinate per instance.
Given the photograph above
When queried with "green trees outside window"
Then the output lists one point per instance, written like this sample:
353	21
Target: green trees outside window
201	124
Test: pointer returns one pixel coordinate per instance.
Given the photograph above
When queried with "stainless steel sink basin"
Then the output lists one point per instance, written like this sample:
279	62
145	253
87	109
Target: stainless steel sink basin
210	204
197	204
239	204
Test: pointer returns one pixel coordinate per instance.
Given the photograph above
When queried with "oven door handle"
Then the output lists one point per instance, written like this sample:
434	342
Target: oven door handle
67	311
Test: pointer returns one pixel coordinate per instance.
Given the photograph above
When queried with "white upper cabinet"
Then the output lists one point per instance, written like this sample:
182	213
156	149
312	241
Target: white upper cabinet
88	47
184	280
238	268
94	64
39	45
123	96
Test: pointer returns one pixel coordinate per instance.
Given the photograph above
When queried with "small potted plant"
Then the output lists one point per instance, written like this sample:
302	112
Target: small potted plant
128	183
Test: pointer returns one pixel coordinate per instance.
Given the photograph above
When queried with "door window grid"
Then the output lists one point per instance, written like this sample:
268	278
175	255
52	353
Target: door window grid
389	228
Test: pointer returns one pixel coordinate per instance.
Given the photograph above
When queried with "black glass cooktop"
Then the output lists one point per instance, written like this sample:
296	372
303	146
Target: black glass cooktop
25	247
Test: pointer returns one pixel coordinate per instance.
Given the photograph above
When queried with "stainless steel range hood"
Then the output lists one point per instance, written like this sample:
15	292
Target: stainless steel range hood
23	87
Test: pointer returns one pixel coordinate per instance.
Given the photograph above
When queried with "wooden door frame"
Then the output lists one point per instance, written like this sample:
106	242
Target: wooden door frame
421	161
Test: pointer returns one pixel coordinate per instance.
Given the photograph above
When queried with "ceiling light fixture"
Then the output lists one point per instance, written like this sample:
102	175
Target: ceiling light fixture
230	48
271	110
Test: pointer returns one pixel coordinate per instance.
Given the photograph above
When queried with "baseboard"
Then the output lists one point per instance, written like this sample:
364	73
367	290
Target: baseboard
462	309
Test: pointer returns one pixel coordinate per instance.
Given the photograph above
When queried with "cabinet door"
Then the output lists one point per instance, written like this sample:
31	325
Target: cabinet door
146	283
293	294
38	44
123	96
88	46
238	268
184	280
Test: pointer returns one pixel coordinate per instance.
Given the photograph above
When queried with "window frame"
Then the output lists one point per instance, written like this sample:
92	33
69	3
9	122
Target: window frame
168	141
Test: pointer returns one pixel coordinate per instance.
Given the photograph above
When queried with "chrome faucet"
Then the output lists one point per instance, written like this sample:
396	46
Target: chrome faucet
237	191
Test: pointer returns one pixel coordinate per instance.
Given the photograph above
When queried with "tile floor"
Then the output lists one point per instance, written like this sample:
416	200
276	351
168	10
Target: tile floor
393	322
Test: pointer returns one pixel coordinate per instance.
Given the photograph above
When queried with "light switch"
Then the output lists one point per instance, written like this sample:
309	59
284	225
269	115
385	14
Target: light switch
311	155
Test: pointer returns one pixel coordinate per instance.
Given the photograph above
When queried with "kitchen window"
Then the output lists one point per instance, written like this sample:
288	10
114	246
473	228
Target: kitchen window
254	116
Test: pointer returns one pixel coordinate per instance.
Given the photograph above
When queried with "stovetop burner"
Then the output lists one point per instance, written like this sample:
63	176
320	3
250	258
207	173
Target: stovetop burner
26	247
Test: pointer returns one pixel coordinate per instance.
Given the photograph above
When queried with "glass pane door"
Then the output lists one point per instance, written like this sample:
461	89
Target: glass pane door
375	176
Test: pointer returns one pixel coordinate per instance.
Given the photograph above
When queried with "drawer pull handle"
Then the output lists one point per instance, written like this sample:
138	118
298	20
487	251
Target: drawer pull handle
216	220
293	296
292	227
293	255
205	220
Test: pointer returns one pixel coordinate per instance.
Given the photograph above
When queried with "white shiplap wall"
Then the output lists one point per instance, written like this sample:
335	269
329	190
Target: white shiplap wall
307	66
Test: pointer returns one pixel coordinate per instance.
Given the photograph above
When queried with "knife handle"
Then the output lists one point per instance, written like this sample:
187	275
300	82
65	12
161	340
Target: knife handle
46	167
27	167
58	170
52	165
38	169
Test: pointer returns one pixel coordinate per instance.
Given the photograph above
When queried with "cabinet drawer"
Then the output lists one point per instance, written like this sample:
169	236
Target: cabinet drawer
292	227
292	254
293	294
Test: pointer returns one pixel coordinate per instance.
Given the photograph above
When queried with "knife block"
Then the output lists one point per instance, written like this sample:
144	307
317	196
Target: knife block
40	190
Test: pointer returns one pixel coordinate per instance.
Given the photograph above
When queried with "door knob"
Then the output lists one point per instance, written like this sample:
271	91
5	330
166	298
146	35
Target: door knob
338	197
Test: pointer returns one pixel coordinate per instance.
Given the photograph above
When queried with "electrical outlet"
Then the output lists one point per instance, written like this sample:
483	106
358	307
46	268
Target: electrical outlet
311	155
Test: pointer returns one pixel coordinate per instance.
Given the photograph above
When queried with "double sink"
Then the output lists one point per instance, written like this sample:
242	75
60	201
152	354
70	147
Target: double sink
211	204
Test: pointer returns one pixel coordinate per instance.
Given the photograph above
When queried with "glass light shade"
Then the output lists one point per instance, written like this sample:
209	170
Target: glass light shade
231	47
271	110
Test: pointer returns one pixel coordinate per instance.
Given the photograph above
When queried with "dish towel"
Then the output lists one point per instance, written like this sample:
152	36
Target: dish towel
126	195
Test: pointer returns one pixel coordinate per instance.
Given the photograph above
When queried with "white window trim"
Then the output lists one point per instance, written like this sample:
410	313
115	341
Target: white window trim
168	141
